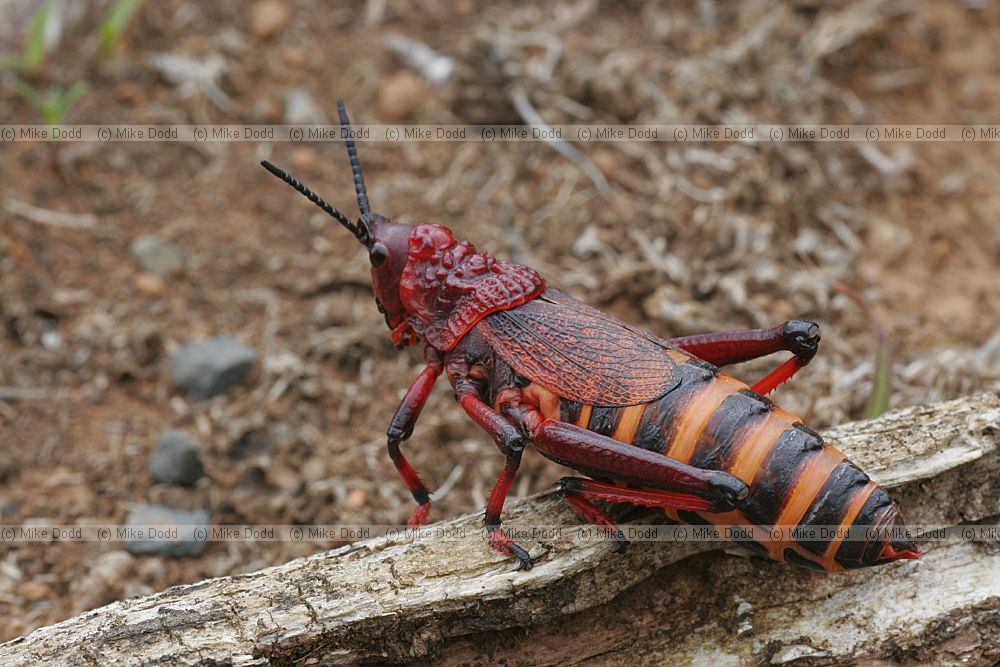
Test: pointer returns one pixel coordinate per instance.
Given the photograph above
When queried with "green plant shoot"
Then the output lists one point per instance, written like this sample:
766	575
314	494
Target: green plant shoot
114	24
55	102
33	56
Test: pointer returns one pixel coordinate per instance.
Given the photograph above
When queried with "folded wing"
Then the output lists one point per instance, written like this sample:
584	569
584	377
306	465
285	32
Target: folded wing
580	353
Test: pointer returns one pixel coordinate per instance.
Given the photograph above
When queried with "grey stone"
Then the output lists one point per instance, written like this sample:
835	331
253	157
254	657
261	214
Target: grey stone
211	366
164	531
301	108
158	255
176	460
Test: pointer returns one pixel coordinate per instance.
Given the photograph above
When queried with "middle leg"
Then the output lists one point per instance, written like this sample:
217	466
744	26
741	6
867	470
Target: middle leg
511	444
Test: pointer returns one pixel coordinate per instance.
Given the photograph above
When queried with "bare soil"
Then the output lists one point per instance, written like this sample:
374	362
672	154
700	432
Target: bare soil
688	238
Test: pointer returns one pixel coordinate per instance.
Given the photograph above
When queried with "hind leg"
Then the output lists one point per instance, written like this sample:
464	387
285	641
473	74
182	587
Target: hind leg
659	476
580	493
591	512
730	347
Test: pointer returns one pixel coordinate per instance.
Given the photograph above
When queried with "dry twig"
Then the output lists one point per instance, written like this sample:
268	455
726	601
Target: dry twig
391	601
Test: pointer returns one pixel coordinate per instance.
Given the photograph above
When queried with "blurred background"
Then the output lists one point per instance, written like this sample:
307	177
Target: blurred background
122	263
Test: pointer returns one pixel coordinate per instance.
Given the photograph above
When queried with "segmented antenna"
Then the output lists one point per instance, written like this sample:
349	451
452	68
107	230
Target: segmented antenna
313	197
352	153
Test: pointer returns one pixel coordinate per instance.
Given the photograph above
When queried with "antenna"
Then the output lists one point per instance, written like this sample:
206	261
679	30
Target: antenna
352	153
313	197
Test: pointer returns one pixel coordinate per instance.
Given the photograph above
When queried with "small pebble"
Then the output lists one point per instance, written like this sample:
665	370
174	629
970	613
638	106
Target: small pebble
152	570
113	566
356	499
52	339
183	540
132	94
266	109
313	470
309	388
303	158
400	95
33	590
284	477
150	284
301	108
104	581
158	255
176	460
268	18
295	56
211	366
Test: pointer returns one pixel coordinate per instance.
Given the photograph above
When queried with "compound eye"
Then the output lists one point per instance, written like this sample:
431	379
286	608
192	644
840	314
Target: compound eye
378	254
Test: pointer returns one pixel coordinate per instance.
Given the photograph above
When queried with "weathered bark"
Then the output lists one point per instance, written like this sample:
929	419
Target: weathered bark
387	601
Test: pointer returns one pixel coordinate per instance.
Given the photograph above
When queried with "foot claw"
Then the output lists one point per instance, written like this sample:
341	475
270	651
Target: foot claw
526	561
502	543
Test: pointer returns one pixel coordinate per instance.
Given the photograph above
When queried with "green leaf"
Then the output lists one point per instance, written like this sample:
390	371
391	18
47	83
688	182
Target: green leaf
878	402
55	102
66	101
34	47
114	24
9	61
29	93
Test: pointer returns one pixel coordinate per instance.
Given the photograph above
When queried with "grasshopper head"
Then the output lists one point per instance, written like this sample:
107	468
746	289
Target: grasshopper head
387	242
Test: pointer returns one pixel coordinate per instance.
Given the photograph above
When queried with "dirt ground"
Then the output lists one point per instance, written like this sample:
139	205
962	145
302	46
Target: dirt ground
688	238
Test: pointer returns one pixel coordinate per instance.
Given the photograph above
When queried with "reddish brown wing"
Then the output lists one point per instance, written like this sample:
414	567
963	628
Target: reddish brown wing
555	296
581	353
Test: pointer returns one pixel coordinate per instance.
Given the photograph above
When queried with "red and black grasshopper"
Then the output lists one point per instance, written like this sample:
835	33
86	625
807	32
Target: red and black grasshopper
650	422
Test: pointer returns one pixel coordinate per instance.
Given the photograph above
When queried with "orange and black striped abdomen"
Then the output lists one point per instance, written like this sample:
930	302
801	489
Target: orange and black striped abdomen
714	422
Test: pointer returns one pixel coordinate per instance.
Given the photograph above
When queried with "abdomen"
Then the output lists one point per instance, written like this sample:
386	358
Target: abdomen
715	422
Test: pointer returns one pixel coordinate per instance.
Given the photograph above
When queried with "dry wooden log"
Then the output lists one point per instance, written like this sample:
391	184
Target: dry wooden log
452	601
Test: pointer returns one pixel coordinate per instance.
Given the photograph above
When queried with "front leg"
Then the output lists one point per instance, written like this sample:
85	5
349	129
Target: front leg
400	429
511	443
